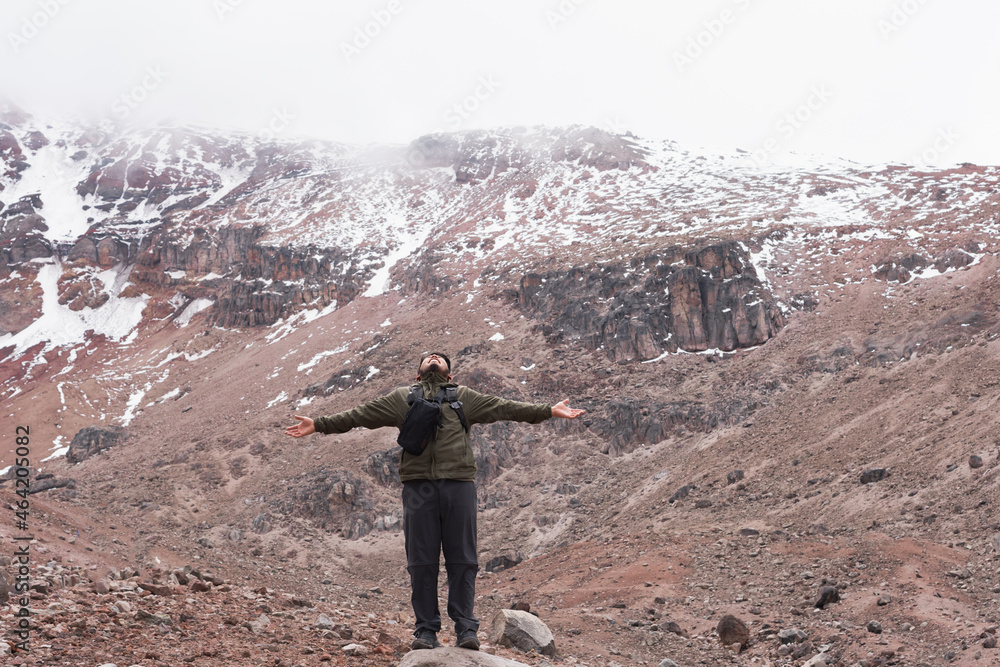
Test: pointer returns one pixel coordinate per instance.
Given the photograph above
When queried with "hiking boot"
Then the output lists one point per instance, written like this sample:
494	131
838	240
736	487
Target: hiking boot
468	639
425	639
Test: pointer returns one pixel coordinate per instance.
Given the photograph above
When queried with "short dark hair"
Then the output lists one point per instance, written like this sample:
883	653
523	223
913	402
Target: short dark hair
440	354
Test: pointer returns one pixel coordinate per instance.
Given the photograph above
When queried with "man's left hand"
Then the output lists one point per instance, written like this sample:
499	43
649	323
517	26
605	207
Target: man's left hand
564	411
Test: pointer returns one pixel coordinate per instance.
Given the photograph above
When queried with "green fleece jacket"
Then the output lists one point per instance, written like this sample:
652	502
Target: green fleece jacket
449	455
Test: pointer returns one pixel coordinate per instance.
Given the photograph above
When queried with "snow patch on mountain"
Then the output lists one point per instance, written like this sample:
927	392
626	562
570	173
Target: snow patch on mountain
193	309
59	326
411	238
53	175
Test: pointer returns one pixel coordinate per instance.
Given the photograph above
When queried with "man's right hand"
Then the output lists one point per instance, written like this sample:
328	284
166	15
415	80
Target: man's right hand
304	427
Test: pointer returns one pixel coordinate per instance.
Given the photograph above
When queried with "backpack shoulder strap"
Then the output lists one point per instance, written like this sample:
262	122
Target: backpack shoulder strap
416	391
451	395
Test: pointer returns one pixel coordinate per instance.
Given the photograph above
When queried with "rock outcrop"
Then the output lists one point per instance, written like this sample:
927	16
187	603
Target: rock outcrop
339	381
93	439
901	268
47	481
627	421
694	300
251	283
384	466
127	173
104	250
21	236
11	154
337	501
480	154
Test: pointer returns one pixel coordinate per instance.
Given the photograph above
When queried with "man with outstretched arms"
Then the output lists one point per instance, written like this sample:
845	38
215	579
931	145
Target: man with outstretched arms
439	490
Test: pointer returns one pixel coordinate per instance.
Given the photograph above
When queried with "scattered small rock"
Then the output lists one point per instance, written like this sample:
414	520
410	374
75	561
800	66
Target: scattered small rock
156	589
874	627
975	461
143	615
792	636
800	651
259	624
671	626
827	595
681	493
199	586
871	475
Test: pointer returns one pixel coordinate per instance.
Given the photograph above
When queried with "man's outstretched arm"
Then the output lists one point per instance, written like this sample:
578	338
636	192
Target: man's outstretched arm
387	410
485	409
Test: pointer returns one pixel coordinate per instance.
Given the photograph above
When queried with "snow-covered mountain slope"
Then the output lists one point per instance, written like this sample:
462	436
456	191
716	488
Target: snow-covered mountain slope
111	237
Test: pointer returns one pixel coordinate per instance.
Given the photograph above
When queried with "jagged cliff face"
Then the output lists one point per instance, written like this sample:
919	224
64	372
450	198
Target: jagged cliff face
692	299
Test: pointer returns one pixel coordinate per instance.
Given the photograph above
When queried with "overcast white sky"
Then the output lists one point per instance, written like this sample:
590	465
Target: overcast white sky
868	80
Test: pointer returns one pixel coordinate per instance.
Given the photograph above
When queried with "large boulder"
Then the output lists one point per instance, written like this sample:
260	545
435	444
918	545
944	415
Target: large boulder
521	630
455	657
732	630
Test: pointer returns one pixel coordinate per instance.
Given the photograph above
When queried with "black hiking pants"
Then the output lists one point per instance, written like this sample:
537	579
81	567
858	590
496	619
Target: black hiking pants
441	515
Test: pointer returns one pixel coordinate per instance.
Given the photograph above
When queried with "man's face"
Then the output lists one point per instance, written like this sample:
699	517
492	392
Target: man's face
432	363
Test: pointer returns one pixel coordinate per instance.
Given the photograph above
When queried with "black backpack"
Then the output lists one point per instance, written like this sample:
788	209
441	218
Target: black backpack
424	418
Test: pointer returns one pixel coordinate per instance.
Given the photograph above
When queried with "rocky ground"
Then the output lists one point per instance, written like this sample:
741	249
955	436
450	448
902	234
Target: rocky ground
629	557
